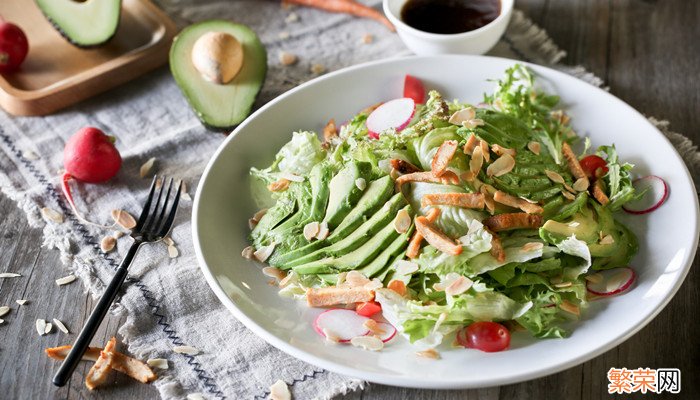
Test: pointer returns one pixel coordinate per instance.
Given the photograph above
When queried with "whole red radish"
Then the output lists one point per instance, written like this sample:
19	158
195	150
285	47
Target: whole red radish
14	46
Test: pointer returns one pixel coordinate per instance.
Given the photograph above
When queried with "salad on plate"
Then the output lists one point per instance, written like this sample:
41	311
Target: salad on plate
440	220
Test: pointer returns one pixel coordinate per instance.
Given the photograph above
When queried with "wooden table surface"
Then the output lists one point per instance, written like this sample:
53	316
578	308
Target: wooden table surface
647	52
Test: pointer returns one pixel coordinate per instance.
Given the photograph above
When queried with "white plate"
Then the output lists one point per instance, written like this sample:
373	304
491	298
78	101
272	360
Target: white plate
668	237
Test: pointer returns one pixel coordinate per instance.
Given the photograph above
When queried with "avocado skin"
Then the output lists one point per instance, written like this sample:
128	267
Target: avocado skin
246	85
70	40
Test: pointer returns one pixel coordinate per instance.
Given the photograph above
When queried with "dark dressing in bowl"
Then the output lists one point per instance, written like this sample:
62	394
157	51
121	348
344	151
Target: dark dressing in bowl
449	16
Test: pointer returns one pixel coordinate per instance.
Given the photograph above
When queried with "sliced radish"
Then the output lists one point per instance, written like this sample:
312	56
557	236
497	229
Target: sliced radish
344	324
613	281
413	88
395	114
657	192
389	331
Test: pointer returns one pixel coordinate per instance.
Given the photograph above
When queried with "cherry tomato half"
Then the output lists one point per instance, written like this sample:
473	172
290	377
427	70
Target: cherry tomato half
368	308
485	336
413	88
591	164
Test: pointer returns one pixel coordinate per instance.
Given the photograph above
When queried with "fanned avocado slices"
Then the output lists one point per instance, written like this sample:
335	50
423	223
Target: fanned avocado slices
84	24
219	105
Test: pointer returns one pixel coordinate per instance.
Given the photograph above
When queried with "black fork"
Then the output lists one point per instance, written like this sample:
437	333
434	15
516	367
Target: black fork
153	225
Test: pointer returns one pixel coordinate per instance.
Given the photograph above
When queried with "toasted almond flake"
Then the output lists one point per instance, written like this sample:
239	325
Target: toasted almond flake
563	284
370	343
168	241
185	196
534	147
123	219
569	307
318	69
402	221
374	327
189	350
532	246
503	165
462	115
473	123
287	279
292	17
291	177
458	286
172	252
9	275
594	278
485	150
331	337
117	234
107	244
52	215
554	176
263	253
21	302
273	272
511	201
616	281
373	284
48	328
568	195
581	184
40	326
30	155
61	326
430	353
556	280
367	38
500	150
4	310
284	35
569	188
477	161
65	280
248	252
440	320
404	267
356	279
258	215
607	239
280	391
311	230
2	321
279	185
195	396
361	183
252	223
146	167
323	231
159	363
287	59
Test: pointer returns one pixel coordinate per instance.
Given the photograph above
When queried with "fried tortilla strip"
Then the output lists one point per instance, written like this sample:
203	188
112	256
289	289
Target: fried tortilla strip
463	200
599	193
497	248
443	156
470	145
417	239
572	161
511	201
121	362
506	222
334	295
330	131
488	192
100	370
436	238
448	178
404	166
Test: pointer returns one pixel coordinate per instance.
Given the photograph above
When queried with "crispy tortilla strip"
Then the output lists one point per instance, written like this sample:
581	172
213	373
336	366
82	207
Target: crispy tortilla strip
572	161
470	145
333	295
447	178
404	166
511	201
120	362
436	238
463	200
488	191
497	248
443	156
330	131
599	193
100	370
506	222
417	239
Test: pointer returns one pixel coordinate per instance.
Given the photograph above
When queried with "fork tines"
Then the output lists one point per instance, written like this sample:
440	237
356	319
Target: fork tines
157	216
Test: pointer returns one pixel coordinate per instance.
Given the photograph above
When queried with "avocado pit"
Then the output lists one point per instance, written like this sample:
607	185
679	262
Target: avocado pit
218	56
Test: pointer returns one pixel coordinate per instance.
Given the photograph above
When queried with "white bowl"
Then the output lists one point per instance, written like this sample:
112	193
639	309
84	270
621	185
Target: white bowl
478	41
668	237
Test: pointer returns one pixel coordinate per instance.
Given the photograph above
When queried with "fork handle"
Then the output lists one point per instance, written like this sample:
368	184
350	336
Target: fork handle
98	313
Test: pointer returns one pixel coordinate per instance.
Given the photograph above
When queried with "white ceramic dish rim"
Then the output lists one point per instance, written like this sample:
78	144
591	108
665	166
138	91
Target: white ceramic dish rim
404	381
506	10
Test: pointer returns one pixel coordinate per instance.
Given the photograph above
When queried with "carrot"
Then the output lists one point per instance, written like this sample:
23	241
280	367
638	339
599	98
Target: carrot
417	239
346	7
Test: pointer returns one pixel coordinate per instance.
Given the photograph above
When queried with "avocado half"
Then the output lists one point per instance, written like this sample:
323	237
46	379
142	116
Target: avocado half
84	24
220	107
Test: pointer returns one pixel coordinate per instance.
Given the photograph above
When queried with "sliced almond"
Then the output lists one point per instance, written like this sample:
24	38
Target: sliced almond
318	69
323	231
279	185
107	244
616	281
569	188
503	165
189	350
146	167
485	150
361	183
273	272
40	326
462	115
568	195
458	286
534	147
52	215
196	396
49	327
563	285
471	143
248	252
607	239
159	363
117	234
21	302
123	219
356	279
30	155
430	353
263	253
581	185
65	280
554	176
477	161
173	252
374	284
473	123
511	201
9	275
291	177
594	278
292	17
311	230
61	326
402	221
367	38
287	58
4	310
258	215
331	337
569	307
252	223
404	267
500	150
183	194
370	343
373	327
280	391
168	241
532	246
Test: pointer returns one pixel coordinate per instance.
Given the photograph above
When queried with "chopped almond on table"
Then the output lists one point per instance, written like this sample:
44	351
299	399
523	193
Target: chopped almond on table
511	201
443	156
506	222
436	238
463	200
334	295
417	239
599	193
403	166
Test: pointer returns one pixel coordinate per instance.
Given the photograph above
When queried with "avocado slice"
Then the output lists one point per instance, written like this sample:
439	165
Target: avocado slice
377	266
219	106
84	24
376	194
345	192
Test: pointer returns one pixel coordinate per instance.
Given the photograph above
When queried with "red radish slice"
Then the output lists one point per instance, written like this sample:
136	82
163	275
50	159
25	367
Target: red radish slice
345	324
413	88
657	192
395	114
614	281
389	331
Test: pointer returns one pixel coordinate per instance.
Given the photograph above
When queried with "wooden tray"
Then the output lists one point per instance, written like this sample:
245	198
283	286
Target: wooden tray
57	74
